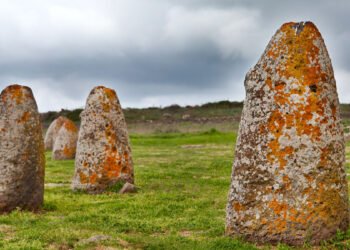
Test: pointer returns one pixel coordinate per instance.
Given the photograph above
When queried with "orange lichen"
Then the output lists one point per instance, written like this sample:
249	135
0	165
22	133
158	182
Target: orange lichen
280	209
70	126
126	168
287	182
13	92
107	100
93	178
238	206
328	200
113	164
69	152
106	106
301	64
110	166
110	93
83	178
25	117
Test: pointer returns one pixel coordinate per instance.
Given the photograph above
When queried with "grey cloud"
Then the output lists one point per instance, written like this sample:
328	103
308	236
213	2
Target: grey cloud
153	53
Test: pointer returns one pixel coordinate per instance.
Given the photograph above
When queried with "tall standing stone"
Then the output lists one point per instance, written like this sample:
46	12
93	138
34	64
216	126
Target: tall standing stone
289	182
103	152
66	141
22	159
52	132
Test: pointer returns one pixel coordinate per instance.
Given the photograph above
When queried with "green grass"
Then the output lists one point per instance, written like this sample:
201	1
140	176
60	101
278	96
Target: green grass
183	182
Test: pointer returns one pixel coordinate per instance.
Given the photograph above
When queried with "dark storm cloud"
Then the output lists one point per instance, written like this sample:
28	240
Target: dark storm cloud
153	52
189	69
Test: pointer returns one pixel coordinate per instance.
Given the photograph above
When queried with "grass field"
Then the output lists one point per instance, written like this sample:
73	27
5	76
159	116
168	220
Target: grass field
183	181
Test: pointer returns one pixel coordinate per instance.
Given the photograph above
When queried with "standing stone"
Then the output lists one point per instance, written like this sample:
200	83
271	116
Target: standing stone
288	181
66	141
103	152
22	159
52	132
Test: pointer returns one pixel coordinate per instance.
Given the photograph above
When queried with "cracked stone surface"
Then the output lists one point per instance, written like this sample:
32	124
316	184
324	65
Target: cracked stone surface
22	159
65	143
288	180
103	154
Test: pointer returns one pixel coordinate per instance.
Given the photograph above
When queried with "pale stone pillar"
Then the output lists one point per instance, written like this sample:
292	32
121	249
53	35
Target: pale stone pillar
288	181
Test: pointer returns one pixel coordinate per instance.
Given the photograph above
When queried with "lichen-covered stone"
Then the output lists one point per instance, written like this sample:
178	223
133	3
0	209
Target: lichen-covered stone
66	141
103	152
288	181
22	159
52	132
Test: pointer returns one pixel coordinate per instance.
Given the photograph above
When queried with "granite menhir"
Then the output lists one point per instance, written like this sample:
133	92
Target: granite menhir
288	181
52	132
65	143
103	155
22	160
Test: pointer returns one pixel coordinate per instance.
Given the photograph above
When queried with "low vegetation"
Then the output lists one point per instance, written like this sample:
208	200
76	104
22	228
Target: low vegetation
183	182
224	116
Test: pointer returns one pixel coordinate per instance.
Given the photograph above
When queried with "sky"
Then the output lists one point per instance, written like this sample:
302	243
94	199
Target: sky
153	52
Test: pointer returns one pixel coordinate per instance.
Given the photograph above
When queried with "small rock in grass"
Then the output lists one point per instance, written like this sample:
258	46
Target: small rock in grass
128	188
186	117
94	239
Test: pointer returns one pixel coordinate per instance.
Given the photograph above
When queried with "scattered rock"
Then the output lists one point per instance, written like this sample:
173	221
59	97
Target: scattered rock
289	181
22	159
167	115
123	243
103	154
94	239
128	188
186	117
66	141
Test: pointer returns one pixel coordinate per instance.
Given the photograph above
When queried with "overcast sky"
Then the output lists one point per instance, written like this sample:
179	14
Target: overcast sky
153	52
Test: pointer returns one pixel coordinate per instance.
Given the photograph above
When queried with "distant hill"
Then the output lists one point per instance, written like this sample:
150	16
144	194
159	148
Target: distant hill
222	115
221	108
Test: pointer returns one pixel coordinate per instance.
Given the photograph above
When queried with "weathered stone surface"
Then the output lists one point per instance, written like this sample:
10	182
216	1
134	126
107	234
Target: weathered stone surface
52	132
288	182
22	160
103	152
66	141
